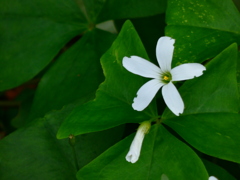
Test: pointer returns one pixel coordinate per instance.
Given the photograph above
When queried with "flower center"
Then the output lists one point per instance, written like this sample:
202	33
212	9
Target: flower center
166	77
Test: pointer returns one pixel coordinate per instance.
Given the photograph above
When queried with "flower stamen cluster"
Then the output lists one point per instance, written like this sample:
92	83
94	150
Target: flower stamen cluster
166	77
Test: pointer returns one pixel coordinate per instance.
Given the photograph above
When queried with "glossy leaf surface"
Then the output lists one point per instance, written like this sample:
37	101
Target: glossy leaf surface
32	33
162	155
75	75
33	152
212	105
202	28
114	97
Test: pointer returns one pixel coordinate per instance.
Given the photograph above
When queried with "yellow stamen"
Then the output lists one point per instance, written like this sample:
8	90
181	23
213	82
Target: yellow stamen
165	78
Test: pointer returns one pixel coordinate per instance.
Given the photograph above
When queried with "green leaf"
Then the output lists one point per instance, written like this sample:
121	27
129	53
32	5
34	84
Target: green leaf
115	9
98	11
91	9
32	34
216	90
202	28
162	155
215	134
217	171
238	72
210	122
25	99
237	4
114	97
148	30
75	75
33	152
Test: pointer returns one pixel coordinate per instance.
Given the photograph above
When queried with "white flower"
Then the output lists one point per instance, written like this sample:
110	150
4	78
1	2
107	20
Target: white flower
135	148
212	178
162	77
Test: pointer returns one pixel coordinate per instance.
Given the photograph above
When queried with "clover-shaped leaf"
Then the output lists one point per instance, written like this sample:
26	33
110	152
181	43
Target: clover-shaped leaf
162	155
210	121
33	152
32	34
203	28
78	67
112	105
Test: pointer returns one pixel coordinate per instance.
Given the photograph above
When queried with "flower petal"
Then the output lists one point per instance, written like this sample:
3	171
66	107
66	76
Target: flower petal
164	53
145	94
172	98
187	71
142	67
212	178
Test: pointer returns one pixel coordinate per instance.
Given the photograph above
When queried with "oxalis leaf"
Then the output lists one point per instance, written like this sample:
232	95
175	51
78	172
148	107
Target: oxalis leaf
99	11
210	121
76	74
162	156
112	105
217	171
202	28
115	9
32	33
33	152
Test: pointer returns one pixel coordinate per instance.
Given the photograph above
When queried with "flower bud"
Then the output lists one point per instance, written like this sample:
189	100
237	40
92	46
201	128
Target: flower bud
135	148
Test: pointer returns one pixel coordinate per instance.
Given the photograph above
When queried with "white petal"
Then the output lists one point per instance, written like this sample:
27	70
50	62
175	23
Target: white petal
142	67
187	71
164	52
212	178
145	94
172	98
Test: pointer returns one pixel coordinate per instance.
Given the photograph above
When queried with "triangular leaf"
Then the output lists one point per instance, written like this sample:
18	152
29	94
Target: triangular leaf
202	28
33	152
210	121
76	74
162	155
216	90
114	97
32	34
115	9
217	171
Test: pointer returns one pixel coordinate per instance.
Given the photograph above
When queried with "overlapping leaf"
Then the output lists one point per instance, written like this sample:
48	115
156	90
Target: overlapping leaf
98	11
114	97
115	9
238	72
162	155
202	28
210	121
76	74
217	171
33	152
32	33
147	24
